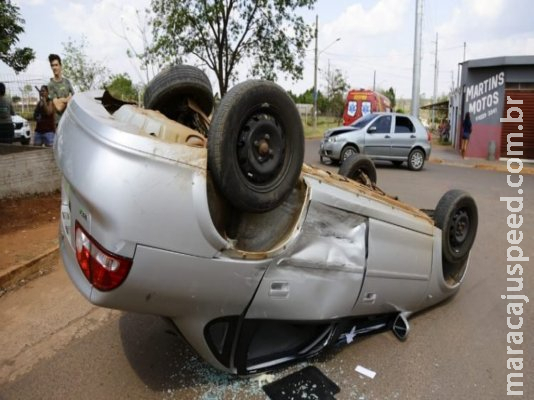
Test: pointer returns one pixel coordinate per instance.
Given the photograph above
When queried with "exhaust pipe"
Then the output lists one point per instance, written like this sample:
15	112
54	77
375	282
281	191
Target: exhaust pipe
401	327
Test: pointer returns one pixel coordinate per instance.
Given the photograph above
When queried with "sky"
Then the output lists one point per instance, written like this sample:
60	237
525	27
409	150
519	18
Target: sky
376	39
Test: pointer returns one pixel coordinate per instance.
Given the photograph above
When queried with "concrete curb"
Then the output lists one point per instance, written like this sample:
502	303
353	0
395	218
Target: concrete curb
487	167
27	270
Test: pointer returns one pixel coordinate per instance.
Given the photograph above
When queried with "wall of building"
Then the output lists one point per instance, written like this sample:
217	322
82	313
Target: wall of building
27	170
483	98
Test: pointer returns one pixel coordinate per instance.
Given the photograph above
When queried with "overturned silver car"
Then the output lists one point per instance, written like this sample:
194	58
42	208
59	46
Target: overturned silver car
257	259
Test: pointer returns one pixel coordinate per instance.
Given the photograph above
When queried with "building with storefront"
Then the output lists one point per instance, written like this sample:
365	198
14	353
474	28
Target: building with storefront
489	88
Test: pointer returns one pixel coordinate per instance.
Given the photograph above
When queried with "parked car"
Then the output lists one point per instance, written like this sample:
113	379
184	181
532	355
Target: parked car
22	130
381	136
256	259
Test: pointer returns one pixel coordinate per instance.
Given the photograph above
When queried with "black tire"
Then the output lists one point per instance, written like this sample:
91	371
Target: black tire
347	152
169	90
256	146
397	163
416	160
457	216
355	165
24	141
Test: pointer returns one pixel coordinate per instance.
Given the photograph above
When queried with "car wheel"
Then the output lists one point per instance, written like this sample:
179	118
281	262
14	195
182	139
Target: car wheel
256	146
24	141
416	160
359	168
170	90
457	216
397	163
347	152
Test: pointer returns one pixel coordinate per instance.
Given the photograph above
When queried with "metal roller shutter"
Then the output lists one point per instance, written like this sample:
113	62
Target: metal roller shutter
528	123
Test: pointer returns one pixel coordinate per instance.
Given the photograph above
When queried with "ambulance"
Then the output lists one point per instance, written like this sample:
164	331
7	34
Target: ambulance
361	102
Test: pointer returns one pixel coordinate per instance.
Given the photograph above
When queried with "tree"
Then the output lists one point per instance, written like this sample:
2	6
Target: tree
337	86
224	33
83	73
10	29
145	55
390	94
121	87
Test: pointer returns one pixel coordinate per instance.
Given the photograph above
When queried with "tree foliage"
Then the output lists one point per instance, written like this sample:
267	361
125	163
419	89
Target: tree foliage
121	87
11	26
145	54
337	87
307	98
83	73
224	33
390	94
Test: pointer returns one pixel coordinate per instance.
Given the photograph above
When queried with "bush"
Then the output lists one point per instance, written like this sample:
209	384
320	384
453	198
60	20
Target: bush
27	115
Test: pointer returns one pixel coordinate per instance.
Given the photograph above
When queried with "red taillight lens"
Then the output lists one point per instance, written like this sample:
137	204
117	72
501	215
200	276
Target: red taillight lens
429	136
103	269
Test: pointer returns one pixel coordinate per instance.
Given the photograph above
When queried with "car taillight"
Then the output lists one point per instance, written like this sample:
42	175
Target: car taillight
429	136
105	270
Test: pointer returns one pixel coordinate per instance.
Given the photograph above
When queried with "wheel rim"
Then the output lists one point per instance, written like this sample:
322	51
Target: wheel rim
459	230
348	152
416	159
261	149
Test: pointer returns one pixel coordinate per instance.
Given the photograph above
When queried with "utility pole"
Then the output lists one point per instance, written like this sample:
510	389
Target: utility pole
416	80
374	80
436	73
458	80
329	82
315	73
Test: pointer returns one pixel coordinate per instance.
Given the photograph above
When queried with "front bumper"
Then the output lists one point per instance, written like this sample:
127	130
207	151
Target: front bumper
22	134
331	150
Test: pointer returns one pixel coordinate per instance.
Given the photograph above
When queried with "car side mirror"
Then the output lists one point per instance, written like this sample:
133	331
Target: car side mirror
371	129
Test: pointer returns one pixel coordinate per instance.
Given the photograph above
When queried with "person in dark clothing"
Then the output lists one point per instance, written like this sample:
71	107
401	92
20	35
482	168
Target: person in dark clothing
7	129
45	127
467	128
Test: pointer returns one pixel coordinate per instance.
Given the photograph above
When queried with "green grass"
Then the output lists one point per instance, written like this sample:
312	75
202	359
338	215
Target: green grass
323	123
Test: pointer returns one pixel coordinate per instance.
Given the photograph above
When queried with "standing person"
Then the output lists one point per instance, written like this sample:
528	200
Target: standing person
444	130
7	130
467	128
45	127
59	87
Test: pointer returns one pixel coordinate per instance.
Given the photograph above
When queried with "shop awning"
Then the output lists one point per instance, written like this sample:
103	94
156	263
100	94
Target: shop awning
443	105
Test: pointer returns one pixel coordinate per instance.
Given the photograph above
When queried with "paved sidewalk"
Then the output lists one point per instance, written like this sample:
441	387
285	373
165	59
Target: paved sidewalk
449	156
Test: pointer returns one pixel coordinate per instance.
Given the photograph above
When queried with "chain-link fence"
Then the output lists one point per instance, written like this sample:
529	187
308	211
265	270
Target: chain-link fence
22	90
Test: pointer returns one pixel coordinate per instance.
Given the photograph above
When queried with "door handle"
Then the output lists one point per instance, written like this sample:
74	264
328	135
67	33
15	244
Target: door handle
369	298
279	289
387	137
412	137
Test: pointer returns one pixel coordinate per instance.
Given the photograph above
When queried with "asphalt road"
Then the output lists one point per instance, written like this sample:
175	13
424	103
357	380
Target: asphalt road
54	345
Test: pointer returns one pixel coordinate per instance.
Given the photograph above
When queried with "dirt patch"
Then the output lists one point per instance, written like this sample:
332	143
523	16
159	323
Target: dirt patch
29	227
28	212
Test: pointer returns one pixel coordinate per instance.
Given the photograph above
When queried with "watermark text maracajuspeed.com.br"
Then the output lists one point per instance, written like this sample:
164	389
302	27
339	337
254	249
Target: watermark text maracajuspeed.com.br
515	257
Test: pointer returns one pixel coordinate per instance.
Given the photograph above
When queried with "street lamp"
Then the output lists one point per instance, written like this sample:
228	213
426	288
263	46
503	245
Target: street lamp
315	70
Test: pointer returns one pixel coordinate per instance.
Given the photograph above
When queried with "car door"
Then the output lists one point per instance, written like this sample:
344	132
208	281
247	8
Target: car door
378	137
403	137
399	266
